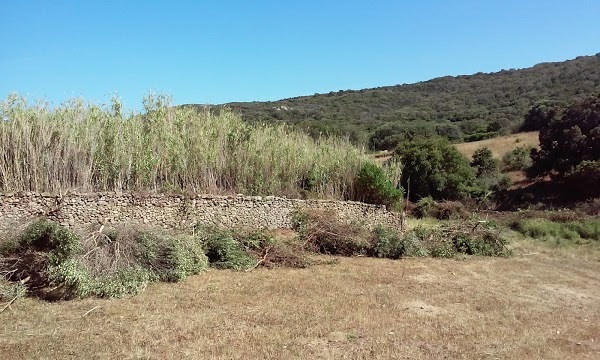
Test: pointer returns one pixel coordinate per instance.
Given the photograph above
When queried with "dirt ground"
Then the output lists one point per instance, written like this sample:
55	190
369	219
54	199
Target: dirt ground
540	304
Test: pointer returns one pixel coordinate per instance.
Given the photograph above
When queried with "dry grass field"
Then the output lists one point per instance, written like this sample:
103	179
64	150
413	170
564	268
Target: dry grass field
542	303
500	145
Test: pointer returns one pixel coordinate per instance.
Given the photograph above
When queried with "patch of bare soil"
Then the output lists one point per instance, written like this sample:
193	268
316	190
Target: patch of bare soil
539	304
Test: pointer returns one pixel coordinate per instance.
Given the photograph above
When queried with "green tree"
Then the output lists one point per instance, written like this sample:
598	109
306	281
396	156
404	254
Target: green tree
484	163
540	115
569	140
434	167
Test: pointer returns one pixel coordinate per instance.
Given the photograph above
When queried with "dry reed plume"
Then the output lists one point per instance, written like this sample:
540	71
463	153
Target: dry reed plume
86	147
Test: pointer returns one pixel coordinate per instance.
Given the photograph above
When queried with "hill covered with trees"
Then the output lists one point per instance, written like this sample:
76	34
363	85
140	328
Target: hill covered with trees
461	108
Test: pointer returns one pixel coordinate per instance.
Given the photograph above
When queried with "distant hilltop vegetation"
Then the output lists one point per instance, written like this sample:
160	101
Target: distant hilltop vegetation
460	108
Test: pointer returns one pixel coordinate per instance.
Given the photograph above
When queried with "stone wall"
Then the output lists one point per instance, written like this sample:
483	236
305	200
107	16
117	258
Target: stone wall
178	211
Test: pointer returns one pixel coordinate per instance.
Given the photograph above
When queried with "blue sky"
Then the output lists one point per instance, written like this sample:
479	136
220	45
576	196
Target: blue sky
223	51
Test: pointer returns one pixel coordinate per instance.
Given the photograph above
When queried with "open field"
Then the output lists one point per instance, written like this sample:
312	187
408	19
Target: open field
543	303
500	145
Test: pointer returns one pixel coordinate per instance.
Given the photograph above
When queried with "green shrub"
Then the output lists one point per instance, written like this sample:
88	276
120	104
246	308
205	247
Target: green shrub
388	243
73	278
255	240
517	159
374	187
45	235
480	136
109	264
449	240
425	207
483	244
588	229
413	245
171	258
224	251
433	167
435	242
128	281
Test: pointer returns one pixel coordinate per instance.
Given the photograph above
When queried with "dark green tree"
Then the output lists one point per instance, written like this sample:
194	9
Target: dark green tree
484	163
568	141
540	115
434	168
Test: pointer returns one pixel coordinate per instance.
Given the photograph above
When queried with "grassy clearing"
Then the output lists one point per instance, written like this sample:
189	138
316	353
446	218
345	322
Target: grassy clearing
541	304
88	147
500	145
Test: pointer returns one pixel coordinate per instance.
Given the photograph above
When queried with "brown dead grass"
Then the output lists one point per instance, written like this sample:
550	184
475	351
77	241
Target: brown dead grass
541	304
500	145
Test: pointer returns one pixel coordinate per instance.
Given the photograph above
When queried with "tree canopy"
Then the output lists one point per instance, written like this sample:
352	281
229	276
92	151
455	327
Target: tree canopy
433	167
568	140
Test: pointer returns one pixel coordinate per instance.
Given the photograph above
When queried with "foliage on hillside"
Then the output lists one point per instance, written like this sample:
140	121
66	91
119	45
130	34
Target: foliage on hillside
464	107
570	146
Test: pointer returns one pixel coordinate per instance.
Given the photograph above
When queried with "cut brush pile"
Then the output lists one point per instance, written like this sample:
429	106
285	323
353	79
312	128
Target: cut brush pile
51	262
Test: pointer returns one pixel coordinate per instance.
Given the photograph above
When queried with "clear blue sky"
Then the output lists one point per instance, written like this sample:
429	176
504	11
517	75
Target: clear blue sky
223	51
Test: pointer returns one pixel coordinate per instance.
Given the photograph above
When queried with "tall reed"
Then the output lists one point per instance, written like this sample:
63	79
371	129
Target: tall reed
86	147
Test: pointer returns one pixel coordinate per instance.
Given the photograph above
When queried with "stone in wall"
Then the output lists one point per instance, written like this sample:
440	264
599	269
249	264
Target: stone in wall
177	211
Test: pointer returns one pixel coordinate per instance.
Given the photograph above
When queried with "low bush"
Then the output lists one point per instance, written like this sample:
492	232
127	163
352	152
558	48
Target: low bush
322	232
374	187
44	235
54	263
170	258
425	207
11	290
451	240
224	251
243	250
517	159
483	244
444	210
387	243
433	242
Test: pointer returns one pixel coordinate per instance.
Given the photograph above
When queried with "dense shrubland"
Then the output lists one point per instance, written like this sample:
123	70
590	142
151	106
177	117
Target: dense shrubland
461	108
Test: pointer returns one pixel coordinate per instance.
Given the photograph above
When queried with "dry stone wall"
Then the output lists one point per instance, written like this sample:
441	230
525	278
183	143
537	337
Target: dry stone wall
178	211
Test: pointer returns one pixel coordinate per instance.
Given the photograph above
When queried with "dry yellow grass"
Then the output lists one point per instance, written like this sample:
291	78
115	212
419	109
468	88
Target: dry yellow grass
542	304
500	145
